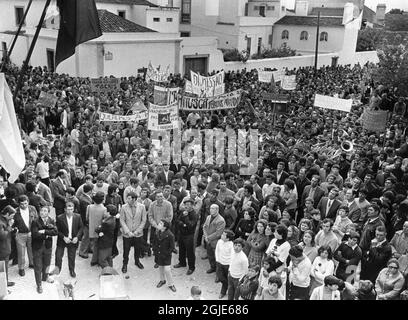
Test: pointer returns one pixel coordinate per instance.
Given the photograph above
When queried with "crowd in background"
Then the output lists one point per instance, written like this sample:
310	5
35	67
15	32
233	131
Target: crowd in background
317	221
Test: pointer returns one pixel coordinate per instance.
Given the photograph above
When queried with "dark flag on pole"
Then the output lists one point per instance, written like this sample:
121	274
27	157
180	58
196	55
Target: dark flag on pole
79	22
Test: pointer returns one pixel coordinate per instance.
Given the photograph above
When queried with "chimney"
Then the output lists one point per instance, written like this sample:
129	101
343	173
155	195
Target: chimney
348	13
380	13
301	8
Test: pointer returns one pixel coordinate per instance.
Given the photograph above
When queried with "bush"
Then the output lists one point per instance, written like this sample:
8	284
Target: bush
234	55
283	51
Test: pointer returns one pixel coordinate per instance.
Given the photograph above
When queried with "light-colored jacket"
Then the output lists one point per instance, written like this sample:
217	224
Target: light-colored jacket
95	214
214	230
133	219
317	294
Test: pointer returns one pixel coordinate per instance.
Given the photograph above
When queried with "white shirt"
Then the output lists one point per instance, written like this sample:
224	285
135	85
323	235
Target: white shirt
25	214
69	222
224	251
239	265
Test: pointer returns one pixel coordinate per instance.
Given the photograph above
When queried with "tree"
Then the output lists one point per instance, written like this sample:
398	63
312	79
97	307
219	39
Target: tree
370	39
235	55
396	11
392	70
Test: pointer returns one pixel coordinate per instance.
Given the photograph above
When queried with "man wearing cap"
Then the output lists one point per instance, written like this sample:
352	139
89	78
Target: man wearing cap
133	218
186	223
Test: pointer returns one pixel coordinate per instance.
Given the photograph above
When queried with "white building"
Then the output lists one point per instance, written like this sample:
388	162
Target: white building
135	32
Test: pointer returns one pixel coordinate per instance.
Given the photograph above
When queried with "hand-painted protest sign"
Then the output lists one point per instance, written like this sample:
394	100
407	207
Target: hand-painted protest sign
103	116
153	74
47	99
275	97
165	96
163	117
289	83
375	120
226	101
333	103
265	76
105	84
207	86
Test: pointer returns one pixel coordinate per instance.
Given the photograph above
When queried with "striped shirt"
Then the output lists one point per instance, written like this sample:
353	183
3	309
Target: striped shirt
158	212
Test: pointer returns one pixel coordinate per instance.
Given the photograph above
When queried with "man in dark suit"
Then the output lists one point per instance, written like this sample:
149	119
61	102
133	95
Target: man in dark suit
84	201
329	205
58	189
25	214
69	226
34	199
280	174
88	150
126	147
313	191
42	230
165	176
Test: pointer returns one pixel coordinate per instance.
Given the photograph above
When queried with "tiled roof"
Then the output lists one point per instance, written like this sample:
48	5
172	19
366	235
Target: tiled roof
311	21
112	23
130	2
368	14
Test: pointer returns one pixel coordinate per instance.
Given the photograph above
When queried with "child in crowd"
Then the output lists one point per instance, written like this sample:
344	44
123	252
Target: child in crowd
264	275
195	293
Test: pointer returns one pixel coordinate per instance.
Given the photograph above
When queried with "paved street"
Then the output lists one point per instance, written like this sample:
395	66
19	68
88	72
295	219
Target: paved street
140	285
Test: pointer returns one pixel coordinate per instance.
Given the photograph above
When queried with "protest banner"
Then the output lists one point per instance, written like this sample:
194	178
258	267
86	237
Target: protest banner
47	99
108	117
333	103
160	96
375	120
138	105
226	101
153	74
105	84
275	97
165	96
163	117
265	76
207	86
172	95
289	83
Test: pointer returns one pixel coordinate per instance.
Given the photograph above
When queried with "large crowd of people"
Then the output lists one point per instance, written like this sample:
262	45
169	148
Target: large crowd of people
323	218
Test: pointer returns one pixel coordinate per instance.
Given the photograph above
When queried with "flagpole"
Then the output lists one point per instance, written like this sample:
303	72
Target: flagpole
317	42
30	51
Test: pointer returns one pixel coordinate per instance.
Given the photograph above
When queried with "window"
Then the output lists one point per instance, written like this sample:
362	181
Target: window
262	11
19	11
185	11
324	36
4	49
169	19
285	34
304	35
156	19
270	40
184	34
122	14
271	8
51	60
246	9
248	46
259	46
170	3
283	8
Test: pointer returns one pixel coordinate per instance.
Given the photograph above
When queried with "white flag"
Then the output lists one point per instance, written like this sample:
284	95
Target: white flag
12	156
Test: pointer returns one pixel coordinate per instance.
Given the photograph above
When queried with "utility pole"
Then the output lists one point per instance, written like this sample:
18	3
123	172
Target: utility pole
16	36
317	42
30	51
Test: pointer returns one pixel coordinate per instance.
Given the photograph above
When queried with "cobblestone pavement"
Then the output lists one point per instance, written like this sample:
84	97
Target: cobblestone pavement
141	284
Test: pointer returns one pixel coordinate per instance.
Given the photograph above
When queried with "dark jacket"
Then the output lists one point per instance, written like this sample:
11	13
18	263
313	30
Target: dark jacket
58	193
165	248
107	227
247	288
40	239
5	238
36	200
368	233
319	193
187	224
84	202
244	226
62	226
374	260
345	252
19	222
